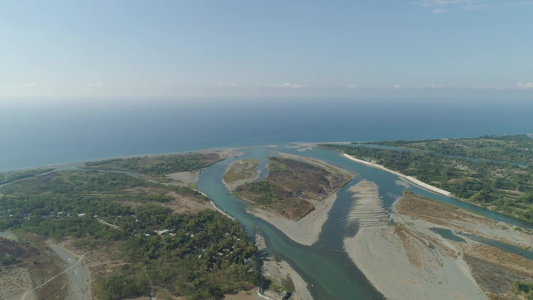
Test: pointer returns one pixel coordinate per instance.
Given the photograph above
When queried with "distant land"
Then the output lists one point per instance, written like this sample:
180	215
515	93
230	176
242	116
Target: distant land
495	172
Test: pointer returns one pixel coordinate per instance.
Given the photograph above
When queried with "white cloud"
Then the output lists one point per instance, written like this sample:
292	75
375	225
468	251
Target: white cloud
292	85
353	86
440	11
32	84
432	3
519	3
434	86
95	84
524	85
231	86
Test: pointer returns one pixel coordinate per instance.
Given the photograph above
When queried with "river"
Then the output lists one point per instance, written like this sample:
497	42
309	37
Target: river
324	265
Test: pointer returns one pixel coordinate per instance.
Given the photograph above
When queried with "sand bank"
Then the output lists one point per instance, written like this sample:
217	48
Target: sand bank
398	259
220	210
280	270
304	231
405	177
185	177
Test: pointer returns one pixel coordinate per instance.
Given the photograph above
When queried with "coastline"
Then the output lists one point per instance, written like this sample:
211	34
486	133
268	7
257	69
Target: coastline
410	179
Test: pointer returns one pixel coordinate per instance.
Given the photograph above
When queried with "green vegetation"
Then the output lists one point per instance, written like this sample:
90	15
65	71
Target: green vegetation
241	170
506	188
15	175
290	185
516	148
197	255
7	259
524	288
201	256
157	166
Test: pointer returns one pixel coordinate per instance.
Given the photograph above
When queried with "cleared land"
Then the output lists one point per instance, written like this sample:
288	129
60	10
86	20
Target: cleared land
37	273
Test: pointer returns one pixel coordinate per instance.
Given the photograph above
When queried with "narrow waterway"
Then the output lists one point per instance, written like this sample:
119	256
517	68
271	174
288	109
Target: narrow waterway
324	265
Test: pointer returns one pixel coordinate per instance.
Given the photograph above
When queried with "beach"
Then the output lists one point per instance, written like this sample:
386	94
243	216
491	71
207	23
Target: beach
402	176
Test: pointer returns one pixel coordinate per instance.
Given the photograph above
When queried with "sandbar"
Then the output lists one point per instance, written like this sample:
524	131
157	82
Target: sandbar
304	231
399	261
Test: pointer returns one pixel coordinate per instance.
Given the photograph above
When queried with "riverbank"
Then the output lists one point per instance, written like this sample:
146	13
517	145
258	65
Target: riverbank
400	175
280	272
405	260
304	231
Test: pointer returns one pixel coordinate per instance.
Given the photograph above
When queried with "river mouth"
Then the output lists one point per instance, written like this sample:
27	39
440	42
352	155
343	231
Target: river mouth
325	265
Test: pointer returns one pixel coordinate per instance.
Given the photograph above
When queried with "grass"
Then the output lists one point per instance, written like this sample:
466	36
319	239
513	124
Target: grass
241	170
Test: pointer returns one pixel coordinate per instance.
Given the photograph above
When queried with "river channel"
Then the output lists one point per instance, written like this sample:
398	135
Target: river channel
324	265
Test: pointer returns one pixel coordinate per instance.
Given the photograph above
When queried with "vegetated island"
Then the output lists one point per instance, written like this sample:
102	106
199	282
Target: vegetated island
500	186
428	250
124	235
296	195
240	172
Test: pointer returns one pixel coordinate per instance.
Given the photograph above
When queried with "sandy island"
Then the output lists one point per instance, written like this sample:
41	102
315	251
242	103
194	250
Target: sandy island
398	259
405	177
306	230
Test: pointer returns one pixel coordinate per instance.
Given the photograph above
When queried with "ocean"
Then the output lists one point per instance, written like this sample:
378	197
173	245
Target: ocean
51	132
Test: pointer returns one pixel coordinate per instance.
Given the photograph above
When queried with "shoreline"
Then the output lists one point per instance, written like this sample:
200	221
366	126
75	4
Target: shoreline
75	164
410	179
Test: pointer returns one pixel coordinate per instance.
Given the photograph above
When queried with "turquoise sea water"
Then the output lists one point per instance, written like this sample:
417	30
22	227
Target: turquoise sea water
59	132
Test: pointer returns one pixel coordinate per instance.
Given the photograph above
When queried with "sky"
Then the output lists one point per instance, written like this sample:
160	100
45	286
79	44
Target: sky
260	48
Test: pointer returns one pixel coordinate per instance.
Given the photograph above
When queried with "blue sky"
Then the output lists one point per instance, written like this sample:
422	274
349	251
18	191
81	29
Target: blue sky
227	48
